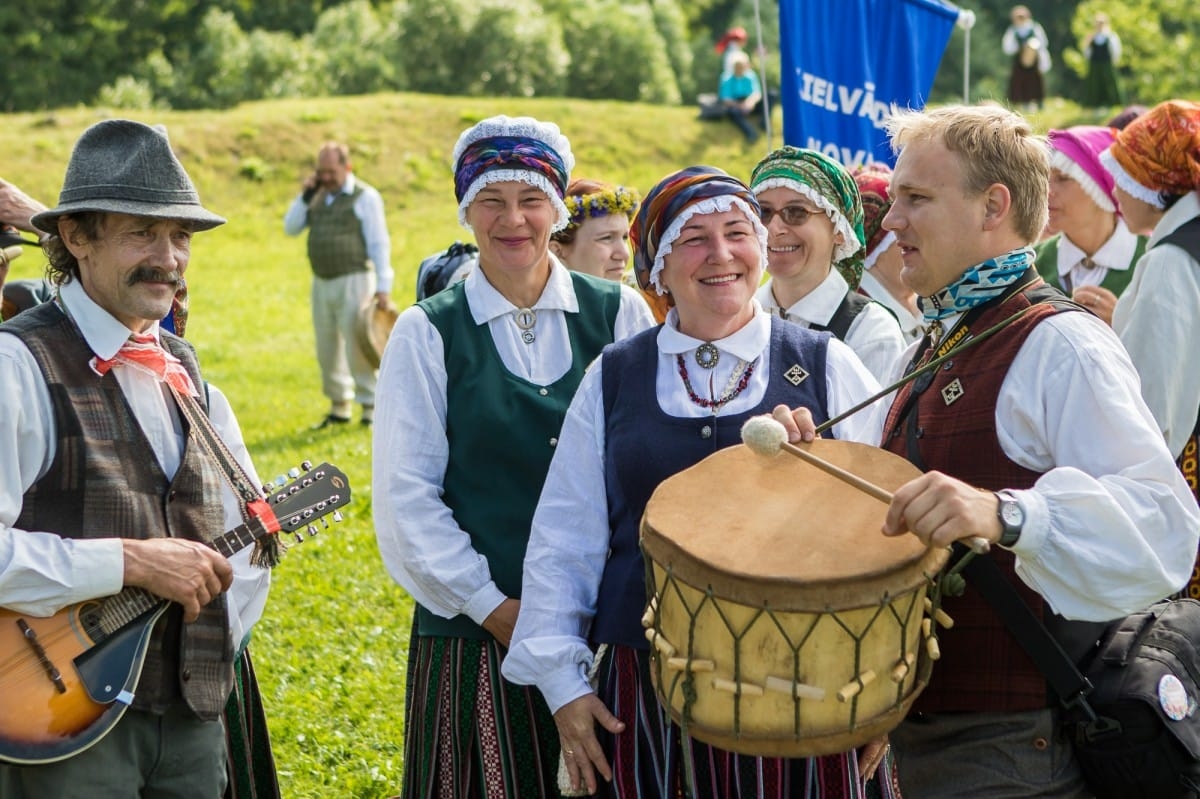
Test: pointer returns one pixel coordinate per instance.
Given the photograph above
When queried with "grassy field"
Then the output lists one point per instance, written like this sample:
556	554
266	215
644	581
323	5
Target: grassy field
330	651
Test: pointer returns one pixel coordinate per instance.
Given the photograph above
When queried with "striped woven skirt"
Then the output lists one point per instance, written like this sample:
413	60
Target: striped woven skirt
652	758
470	733
250	763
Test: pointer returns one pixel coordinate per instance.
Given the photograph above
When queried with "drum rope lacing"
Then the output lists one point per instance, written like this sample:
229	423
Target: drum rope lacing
684	680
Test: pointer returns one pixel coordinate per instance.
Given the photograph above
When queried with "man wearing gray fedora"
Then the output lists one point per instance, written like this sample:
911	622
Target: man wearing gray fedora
111	483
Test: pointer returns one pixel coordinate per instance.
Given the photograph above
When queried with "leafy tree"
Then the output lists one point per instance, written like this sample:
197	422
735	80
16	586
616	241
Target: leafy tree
672	26
280	65
297	17
430	44
207	75
67	49
128	92
514	49
1158	37
989	67
616	53
352	40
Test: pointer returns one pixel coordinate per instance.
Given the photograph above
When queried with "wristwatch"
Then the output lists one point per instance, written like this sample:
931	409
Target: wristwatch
1012	518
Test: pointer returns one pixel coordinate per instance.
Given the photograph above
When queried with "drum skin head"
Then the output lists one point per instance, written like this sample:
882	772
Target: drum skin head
782	622
776	530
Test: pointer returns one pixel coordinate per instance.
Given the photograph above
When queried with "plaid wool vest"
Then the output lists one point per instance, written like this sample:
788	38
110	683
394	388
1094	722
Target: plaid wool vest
105	480
336	245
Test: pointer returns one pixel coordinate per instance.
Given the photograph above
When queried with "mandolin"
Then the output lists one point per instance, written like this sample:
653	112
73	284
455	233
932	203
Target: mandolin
67	679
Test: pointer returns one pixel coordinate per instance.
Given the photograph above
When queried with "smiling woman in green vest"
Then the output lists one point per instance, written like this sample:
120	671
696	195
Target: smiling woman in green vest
473	388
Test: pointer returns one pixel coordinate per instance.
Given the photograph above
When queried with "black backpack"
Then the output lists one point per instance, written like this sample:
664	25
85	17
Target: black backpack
438	270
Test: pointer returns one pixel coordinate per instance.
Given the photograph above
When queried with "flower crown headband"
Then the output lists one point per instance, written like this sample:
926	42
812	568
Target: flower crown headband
617	200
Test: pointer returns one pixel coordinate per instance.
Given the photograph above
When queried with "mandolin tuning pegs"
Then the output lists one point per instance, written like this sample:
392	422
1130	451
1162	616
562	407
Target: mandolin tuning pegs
306	465
299	537
337	516
293	473
313	530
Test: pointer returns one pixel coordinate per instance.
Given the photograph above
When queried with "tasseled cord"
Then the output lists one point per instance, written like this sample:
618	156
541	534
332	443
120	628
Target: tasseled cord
268	551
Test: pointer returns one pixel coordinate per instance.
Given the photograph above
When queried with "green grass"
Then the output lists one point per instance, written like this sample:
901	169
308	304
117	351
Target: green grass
330	651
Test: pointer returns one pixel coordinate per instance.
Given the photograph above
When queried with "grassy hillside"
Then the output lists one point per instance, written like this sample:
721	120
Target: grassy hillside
331	650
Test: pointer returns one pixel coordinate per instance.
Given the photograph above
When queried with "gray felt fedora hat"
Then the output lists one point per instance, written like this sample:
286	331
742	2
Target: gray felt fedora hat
125	167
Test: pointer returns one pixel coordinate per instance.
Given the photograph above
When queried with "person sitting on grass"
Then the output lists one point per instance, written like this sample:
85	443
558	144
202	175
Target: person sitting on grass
740	95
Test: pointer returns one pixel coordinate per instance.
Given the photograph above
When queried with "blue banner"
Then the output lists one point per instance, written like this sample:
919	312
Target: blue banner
849	64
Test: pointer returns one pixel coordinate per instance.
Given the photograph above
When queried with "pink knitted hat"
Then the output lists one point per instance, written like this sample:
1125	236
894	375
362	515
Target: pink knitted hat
1076	152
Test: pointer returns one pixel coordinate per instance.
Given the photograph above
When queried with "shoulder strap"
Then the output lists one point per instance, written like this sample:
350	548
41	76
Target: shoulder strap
253	504
847	311
1186	237
1047	654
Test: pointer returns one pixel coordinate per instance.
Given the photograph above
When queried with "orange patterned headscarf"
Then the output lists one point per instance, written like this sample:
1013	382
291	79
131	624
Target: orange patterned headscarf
1159	152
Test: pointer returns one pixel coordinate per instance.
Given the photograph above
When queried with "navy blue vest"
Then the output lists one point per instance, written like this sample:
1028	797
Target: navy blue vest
644	446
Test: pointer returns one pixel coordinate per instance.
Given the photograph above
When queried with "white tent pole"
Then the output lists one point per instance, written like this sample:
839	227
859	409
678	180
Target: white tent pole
762	75
966	21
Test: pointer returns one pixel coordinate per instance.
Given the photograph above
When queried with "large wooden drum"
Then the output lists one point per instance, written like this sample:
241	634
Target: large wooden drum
782	622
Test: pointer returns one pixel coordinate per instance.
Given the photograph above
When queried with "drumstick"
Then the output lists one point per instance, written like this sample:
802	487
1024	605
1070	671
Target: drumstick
767	436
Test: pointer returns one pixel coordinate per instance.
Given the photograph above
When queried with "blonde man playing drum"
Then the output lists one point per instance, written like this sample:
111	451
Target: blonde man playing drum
1037	439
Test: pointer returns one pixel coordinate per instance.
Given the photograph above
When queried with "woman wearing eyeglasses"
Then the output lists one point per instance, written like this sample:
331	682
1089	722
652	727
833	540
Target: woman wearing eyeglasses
814	219
649	407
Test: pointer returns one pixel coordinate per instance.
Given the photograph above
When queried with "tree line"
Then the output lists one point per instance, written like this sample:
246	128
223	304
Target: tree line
190	54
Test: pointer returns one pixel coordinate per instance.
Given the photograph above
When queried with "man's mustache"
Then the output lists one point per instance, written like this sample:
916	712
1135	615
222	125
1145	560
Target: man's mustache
150	274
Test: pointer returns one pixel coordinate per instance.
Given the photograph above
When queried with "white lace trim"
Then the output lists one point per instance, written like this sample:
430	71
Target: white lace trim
525	127
880	248
850	243
1128	184
535	179
1063	163
710	205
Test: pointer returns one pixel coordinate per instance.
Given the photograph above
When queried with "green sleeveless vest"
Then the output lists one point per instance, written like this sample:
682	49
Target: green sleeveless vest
502	431
1115	281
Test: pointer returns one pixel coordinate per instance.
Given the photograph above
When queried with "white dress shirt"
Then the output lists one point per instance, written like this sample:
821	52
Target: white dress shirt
1116	254
369	210
568	546
1111	525
1158	320
422	545
41	572
874	335
912	327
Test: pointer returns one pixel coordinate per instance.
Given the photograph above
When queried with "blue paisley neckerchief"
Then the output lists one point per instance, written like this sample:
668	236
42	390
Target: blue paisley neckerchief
977	285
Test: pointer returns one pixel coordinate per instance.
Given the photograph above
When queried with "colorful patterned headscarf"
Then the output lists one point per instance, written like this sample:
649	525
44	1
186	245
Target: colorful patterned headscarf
829	185
1076	153
519	149
1158	152
874	187
672	202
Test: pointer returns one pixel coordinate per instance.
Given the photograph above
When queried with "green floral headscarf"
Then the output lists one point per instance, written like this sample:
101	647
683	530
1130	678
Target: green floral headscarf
831	187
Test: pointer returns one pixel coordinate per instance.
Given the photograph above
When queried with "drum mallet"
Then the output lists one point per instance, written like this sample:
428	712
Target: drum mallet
767	436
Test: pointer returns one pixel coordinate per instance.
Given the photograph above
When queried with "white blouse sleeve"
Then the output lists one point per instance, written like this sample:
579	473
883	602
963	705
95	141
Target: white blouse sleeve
422	545
568	548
